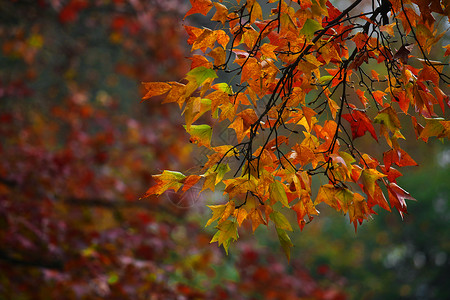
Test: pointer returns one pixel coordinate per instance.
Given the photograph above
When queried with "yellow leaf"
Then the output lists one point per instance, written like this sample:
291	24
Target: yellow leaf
240	214
200	134
221	13
217	211
268	50
327	194
388	28
167	180
368	179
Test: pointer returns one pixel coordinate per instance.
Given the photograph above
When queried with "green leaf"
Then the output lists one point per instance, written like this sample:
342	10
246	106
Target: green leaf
325	78
310	27
200	134
280	220
201	74
278	193
285	242
221	170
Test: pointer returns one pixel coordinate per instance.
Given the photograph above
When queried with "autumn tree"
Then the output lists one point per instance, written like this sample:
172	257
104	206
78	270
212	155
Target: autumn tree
317	99
75	155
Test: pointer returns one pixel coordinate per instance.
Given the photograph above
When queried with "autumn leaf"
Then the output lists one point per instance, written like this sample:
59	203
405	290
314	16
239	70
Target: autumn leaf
200	134
201	74
278	193
155	89
281	222
285	242
167	180
227	231
327	194
397	197
360	123
292	75
388	117
221	13
310	27
435	127
398	157
368	180
256	218
190	181
199	6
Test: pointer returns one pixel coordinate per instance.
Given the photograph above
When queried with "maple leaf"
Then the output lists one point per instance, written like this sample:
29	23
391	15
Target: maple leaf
277	62
398	157
167	180
221	212
278	193
304	207
310	27
199	6
155	89
285	242
397	197
388	117
200	134
201	74
368	180
190	181
360	123
221	13
281	222
227	231
327	194
437	127
256	217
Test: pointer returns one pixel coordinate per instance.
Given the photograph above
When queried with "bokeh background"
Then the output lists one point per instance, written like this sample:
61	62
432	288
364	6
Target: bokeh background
78	150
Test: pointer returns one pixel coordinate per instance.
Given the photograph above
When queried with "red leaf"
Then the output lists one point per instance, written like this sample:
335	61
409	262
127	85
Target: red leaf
360	123
398	157
397	197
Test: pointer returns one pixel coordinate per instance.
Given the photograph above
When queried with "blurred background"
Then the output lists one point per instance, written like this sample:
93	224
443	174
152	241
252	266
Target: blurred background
78	150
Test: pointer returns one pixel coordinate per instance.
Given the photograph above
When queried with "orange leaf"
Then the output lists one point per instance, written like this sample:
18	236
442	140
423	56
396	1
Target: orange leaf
190	181
361	97
327	194
221	13
256	218
155	89
378	96
199	6
167	180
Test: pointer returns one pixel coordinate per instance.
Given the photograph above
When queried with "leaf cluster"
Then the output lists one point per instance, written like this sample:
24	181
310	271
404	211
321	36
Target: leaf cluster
308	82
